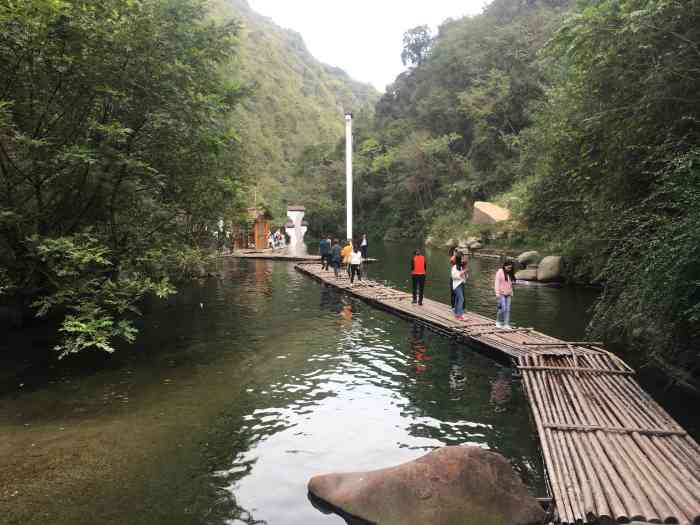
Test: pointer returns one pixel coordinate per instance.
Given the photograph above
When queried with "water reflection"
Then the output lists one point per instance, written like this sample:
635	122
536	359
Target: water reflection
244	387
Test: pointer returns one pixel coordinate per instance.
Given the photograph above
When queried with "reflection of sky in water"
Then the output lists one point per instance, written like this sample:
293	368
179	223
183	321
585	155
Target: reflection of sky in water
375	393
244	386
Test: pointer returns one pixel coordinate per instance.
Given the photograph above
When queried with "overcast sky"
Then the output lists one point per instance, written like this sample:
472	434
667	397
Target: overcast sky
364	37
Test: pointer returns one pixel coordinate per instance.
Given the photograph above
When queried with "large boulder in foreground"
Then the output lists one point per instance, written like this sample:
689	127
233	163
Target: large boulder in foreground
550	269
449	486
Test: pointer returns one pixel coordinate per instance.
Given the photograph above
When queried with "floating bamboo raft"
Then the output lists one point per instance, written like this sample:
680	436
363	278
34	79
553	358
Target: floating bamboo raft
612	454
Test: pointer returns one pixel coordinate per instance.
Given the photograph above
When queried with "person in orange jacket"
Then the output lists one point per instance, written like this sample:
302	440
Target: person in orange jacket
419	268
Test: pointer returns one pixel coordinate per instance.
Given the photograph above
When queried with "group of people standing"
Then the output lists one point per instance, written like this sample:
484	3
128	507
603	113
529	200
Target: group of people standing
459	274
351	255
275	240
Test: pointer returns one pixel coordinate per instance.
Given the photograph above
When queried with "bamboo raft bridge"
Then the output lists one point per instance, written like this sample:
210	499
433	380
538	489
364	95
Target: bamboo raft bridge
612	453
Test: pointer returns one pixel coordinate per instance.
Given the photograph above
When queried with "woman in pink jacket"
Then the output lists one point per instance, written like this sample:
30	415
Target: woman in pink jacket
503	286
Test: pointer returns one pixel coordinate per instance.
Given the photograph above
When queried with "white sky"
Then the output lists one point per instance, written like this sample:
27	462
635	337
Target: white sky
363	37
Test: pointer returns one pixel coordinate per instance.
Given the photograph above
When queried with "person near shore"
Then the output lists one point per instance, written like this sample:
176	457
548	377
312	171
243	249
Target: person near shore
419	268
336	257
271	240
355	264
459	277
363	246
345	255
503	286
325	250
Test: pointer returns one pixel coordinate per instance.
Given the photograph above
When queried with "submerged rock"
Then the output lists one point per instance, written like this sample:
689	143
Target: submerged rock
449	486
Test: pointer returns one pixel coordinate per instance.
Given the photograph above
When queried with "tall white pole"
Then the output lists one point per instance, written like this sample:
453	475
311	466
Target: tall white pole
348	170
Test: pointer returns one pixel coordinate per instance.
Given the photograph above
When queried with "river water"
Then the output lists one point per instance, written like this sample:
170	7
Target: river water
244	386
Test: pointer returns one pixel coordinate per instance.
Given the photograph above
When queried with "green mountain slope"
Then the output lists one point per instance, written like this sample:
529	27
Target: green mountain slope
296	100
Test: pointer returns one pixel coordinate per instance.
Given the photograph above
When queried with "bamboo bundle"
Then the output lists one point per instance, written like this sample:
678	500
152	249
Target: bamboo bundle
628	450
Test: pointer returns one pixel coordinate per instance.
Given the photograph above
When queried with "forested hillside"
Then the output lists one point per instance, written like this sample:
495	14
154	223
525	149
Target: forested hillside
295	101
446	132
583	119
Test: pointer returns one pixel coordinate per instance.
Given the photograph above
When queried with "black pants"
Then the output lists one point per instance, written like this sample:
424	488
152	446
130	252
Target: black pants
325	261
363	251
355	270
418	287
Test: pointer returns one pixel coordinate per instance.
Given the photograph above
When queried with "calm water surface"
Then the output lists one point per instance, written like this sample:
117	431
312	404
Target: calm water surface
245	386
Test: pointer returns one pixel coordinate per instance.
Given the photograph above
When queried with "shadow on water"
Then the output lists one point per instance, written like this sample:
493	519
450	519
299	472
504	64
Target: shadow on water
327	508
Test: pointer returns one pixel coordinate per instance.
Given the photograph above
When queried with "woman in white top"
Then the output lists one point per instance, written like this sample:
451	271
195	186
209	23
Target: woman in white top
459	277
363	246
355	262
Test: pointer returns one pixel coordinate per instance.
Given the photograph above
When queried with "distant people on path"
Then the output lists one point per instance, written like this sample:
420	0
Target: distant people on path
345	254
503	286
271	240
278	239
459	278
363	246
419	268
325	251
336	257
355	264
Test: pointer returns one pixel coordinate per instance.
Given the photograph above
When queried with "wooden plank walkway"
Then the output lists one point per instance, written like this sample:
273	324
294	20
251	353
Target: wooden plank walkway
612	454
279	255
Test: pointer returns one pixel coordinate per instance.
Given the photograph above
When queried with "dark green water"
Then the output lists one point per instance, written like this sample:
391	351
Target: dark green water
245	386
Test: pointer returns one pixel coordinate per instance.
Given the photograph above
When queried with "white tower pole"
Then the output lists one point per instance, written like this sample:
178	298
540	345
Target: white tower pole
348	170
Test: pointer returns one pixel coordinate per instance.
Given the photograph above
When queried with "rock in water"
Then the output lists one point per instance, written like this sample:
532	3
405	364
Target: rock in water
449	486
526	275
550	269
531	257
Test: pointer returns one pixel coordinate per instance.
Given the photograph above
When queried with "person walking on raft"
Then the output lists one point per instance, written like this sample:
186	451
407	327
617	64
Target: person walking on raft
503	286
419	269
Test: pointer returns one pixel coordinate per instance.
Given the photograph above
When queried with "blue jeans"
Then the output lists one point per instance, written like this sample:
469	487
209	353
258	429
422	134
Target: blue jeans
503	312
459	300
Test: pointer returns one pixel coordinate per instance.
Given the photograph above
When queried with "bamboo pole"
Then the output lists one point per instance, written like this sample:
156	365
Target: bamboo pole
625	464
678	508
572	481
583	473
563	497
617	492
552	467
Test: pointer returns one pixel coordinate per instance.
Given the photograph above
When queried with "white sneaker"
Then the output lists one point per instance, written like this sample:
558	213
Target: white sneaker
507	327
499	325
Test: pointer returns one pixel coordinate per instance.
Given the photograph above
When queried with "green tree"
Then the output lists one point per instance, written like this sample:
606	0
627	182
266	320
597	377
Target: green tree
116	154
416	45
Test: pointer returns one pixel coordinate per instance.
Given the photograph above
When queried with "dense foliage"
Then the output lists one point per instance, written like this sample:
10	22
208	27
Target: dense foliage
584	119
117	154
613	167
446	131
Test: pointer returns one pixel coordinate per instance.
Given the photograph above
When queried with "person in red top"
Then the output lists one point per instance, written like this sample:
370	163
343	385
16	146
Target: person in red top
418	270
